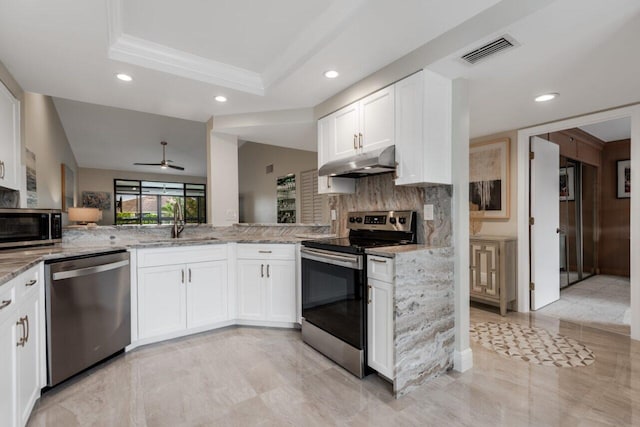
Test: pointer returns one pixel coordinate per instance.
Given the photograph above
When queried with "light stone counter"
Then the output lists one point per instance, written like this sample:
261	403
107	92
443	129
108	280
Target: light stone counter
392	251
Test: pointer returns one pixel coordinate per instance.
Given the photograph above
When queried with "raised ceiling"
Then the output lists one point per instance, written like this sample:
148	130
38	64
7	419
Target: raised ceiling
611	130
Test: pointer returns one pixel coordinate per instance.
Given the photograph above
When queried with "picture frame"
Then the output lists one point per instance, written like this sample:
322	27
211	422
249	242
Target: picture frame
68	186
489	179
97	199
623	182
567	184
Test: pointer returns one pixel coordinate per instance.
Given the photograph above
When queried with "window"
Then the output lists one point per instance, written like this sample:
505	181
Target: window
151	202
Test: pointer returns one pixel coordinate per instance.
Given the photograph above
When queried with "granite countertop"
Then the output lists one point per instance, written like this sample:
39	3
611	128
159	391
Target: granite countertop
391	251
16	261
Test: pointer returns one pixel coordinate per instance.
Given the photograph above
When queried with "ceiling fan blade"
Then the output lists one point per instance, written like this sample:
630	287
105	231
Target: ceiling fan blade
176	167
148	164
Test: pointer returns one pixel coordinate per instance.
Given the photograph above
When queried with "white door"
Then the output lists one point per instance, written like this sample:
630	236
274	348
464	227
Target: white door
206	293
250	284
345	126
161	300
380	327
545	209
377	120
28	358
8	340
281	291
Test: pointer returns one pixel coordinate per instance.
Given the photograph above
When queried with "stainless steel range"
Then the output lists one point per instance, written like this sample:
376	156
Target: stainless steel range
334	303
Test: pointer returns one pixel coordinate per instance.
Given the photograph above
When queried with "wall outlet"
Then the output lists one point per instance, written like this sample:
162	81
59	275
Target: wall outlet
428	212
334	215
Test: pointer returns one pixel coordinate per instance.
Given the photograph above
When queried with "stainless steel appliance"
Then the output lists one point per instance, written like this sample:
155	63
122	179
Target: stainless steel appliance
334	277
88	311
362	164
29	227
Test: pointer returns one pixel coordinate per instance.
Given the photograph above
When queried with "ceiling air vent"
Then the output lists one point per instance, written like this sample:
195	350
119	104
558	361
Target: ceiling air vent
489	49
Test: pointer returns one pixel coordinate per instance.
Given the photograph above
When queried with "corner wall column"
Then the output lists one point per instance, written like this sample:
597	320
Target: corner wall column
222	177
463	356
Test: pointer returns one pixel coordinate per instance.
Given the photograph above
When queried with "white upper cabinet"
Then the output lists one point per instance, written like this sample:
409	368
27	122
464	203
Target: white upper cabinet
423	105
10	147
360	127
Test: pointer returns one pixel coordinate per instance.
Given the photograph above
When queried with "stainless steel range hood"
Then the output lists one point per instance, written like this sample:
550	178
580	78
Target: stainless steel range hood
374	162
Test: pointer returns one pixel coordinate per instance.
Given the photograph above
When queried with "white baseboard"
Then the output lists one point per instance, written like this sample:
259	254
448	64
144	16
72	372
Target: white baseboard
462	360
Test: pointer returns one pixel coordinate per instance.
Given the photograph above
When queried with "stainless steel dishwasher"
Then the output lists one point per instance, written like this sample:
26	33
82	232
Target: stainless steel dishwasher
88	311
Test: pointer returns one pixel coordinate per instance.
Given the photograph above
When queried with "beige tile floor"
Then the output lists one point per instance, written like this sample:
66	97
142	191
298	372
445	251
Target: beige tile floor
266	377
600	301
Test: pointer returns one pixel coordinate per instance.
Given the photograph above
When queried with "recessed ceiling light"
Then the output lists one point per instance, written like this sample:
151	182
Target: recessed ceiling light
221	98
331	74
367	167
546	97
124	77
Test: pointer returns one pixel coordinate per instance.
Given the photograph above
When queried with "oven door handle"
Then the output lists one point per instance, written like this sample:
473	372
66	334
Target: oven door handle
342	260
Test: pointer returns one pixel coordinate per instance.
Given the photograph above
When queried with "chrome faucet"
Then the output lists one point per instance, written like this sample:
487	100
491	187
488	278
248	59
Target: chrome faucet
178	221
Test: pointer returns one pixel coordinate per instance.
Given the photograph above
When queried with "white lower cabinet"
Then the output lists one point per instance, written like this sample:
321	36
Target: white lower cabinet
267	286
20	350
380	316
175	298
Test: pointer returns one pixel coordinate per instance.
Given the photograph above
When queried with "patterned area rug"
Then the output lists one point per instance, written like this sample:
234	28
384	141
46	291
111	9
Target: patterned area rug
533	345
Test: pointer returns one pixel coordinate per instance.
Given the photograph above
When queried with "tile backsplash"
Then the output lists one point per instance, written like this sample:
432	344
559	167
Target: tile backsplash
379	192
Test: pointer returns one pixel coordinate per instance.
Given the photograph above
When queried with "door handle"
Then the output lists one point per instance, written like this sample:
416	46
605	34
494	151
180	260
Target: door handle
20	323
355	141
182	280
264	252
31	282
5	303
1	169
26	318
189	274
558	230
360	140
261	270
369	294
268	272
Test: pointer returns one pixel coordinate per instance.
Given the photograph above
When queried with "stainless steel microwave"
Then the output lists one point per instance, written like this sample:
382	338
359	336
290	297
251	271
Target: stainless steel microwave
29	227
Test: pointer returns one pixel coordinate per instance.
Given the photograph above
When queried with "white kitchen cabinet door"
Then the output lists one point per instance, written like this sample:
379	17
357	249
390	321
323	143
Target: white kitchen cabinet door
409	101
10	148
251	289
377	120
8	369
281	291
380	327
28	357
161	300
206	293
345	126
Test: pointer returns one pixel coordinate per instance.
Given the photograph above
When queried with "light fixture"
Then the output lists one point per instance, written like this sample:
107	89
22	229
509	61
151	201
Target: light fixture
124	77
331	74
85	216
221	98
546	97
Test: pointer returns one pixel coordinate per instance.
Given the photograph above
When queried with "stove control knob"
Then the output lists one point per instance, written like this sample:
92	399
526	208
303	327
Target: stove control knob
352	219
403	220
358	220
392	220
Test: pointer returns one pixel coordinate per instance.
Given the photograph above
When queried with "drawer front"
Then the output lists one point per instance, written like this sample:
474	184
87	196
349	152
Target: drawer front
380	268
267	251
27	281
181	255
7	300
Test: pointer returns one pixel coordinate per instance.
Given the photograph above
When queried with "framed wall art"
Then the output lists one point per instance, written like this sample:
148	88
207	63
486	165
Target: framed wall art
489	179
567	184
624	179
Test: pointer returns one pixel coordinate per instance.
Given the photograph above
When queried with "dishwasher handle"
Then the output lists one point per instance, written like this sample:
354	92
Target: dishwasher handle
89	270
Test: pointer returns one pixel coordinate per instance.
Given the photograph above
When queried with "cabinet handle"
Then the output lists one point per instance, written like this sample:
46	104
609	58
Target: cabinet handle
261	270
369	294
264	252
5	303
355	141
182	271
189	275
26	318
31	282
360	140
21	342
1	169
378	261
268	273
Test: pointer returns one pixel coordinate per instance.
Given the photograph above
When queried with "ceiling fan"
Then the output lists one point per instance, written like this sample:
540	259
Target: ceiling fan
164	163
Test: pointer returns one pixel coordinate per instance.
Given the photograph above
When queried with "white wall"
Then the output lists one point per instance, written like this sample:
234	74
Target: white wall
505	227
257	188
222	178
102	180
